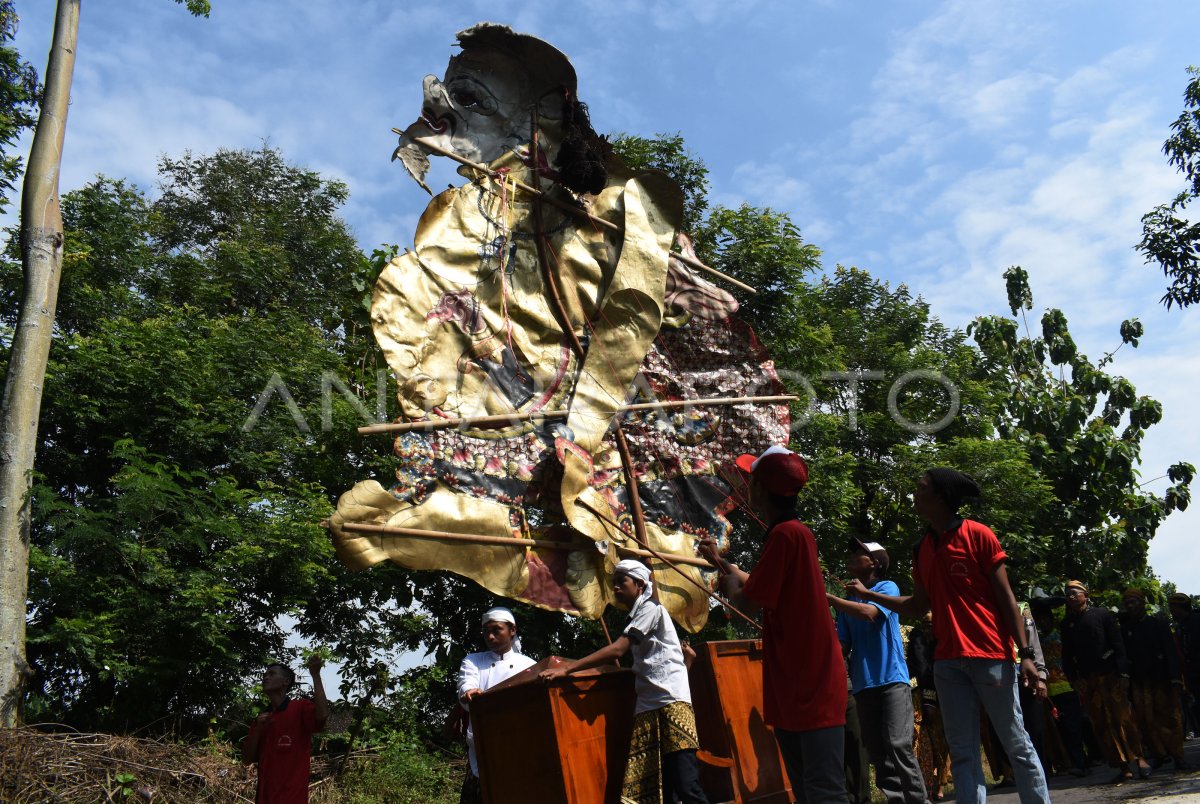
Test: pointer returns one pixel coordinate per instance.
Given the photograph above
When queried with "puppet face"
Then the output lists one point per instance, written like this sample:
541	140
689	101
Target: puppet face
480	111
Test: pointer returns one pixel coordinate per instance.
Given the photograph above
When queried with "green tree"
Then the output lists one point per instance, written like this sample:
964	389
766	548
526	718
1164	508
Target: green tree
1082	430
1168	237
165	505
902	393
18	99
41	259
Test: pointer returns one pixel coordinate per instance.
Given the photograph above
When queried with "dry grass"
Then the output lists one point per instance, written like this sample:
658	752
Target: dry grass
40	766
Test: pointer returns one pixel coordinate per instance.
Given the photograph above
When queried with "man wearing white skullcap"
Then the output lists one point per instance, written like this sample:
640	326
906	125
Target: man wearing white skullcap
662	763
482	671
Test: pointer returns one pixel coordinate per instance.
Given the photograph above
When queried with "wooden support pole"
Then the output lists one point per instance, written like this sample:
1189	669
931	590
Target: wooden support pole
508	419
642	539
708	269
571	208
631	488
510	541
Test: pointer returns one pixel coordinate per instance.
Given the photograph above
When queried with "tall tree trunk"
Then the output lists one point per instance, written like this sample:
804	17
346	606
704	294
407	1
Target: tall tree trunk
41	257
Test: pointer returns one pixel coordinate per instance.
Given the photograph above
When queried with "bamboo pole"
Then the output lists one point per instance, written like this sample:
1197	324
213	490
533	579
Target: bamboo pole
571	208
510	541
695	263
556	305
426	425
643	539
631	487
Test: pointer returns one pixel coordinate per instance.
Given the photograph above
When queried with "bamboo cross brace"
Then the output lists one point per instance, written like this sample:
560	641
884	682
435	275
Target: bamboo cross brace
503	419
665	558
511	541
571	208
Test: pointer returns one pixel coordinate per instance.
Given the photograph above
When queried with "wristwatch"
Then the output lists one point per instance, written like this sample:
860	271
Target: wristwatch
1025	652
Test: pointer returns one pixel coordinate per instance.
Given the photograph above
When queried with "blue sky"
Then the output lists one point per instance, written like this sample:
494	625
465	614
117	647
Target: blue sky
932	143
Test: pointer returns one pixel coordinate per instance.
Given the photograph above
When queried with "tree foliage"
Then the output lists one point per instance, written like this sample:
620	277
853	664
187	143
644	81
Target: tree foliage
174	526
1082	430
164	507
1169	238
18	99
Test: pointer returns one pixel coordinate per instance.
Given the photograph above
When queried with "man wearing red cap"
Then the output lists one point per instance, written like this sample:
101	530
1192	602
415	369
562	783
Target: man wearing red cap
804	681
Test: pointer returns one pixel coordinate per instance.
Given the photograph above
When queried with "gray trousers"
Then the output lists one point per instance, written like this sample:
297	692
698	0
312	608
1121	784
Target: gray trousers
814	764
886	715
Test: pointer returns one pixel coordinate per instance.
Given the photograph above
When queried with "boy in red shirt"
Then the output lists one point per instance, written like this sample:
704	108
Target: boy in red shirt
280	739
804	680
960	575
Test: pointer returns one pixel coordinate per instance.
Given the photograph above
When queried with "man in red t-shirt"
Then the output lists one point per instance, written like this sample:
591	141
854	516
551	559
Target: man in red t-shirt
280	739
959	574
804	680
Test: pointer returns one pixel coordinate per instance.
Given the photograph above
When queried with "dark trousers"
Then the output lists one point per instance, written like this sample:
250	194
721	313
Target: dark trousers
1070	726
886	715
858	768
681	779
1033	715
471	792
1191	707
814	764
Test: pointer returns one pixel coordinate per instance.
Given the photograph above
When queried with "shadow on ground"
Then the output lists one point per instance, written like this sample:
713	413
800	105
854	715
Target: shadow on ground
1165	785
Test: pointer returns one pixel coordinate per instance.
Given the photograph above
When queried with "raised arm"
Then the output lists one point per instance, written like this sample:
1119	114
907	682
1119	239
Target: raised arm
914	605
320	702
863	611
732	579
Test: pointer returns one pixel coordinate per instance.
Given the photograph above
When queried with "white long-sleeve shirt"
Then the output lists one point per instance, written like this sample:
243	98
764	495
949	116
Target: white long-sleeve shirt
483	671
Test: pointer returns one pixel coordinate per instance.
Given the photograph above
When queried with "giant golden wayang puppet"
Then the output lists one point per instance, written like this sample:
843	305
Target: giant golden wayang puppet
554	312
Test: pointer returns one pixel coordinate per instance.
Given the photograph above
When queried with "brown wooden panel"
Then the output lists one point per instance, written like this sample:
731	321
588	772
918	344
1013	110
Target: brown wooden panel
595	718
562	743
726	681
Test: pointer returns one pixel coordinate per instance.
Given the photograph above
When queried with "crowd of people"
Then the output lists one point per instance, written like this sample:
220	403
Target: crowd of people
1037	691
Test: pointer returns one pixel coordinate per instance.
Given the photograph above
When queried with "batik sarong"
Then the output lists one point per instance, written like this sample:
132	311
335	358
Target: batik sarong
655	734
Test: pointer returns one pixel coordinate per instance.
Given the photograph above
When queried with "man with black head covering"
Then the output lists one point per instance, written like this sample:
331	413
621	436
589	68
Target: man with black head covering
959	573
1186	628
1156	679
1097	665
1064	697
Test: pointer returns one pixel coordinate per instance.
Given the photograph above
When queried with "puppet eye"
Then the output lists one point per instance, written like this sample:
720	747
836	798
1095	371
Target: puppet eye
464	97
470	94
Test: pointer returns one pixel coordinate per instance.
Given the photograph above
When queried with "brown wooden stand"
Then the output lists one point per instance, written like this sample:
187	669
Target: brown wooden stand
726	681
558	743
567	742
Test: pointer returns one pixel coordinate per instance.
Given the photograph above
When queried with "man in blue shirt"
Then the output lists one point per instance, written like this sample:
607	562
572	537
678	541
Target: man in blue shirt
870	637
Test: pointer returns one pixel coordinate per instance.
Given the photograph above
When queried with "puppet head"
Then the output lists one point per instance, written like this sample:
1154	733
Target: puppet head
483	107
